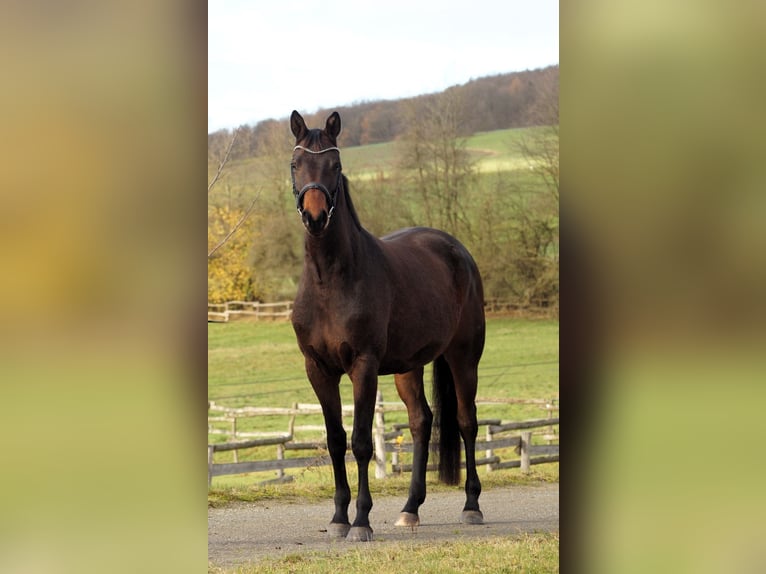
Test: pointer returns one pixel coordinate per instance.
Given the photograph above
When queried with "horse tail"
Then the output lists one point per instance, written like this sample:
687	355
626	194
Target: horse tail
445	422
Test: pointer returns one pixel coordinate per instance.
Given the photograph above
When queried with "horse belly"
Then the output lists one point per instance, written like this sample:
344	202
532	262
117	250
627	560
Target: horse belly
403	362
417	336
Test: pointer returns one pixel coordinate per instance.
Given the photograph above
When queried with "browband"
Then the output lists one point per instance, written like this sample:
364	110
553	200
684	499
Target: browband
312	151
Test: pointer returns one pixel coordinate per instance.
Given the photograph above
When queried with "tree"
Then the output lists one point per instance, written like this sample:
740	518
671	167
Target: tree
229	275
224	159
277	254
228	272
541	147
433	154
536	233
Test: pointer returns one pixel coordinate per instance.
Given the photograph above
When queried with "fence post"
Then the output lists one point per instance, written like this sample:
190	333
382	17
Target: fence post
209	465
280	456
526	442
291	433
291	423
395	459
380	442
489	453
234	434
549	407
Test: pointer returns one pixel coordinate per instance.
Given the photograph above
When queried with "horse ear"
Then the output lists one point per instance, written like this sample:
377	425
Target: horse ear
332	127
298	126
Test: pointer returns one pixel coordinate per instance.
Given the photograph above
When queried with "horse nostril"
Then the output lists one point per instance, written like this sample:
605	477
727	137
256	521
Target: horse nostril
313	224
314	206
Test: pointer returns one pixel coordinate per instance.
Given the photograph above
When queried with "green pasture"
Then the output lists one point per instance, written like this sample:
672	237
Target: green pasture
493	152
369	161
259	364
498	151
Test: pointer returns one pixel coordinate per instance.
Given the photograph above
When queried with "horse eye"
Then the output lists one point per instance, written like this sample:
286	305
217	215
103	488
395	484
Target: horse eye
336	167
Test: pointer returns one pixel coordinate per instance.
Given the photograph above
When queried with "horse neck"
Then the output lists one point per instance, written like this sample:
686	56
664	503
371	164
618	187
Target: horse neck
338	254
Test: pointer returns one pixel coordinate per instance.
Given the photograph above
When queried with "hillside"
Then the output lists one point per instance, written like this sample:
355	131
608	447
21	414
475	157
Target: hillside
493	151
491	103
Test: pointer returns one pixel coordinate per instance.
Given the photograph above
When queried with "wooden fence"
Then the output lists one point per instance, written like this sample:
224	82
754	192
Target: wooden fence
386	442
233	310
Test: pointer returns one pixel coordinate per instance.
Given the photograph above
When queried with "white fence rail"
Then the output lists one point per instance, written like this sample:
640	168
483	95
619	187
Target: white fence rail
232	310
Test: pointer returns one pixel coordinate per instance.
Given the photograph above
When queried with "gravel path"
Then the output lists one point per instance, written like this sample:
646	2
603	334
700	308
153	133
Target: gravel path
249	531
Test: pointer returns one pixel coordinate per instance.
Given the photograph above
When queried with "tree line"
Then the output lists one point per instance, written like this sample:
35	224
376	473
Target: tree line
496	102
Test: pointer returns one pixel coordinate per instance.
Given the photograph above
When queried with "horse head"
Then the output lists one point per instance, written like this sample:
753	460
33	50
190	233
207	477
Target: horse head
316	171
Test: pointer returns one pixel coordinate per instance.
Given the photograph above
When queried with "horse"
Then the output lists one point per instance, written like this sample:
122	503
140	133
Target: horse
367	307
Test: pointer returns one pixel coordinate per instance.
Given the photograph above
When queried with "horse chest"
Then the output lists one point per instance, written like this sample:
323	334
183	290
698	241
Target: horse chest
335	337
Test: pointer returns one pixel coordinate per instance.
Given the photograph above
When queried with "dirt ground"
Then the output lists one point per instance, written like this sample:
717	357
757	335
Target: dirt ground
249	531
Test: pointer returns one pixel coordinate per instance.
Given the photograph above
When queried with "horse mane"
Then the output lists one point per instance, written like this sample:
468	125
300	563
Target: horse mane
349	203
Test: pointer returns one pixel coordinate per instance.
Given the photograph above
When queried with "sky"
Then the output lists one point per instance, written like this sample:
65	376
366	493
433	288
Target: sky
267	58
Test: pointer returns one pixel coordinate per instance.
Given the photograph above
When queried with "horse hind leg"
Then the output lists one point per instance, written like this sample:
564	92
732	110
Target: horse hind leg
466	379
410	388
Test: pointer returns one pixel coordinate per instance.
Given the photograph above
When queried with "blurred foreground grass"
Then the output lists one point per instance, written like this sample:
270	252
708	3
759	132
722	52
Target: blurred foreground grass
531	553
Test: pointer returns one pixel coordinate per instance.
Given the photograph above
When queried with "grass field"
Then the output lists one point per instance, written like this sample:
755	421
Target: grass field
494	152
259	364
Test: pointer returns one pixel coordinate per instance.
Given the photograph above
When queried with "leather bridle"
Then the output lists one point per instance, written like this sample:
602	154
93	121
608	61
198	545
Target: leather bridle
331	196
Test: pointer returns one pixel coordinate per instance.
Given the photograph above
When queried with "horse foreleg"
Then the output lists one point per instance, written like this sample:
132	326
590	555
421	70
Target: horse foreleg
336	444
328	393
364	376
410	389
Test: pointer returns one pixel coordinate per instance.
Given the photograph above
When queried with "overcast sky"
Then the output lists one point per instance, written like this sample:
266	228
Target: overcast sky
267	58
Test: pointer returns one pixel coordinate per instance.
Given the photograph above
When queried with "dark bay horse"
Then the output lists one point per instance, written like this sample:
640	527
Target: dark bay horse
368	306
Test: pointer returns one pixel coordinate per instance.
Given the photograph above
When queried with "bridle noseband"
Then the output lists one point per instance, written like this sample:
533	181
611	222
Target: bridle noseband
331	197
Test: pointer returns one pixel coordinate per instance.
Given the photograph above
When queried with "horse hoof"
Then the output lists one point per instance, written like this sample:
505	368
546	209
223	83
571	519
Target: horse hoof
408	519
472	517
338	530
359	534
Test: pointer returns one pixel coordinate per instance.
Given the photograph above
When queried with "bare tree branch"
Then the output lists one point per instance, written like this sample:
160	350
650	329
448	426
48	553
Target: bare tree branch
236	226
223	161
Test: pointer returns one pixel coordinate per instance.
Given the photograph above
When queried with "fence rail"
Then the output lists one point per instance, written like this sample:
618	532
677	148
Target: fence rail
386	442
233	310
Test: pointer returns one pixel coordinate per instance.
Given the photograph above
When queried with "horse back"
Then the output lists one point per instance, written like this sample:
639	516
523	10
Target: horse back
423	260
437	295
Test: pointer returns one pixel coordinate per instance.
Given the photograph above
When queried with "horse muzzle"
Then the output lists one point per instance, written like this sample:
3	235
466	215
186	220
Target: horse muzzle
315	206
